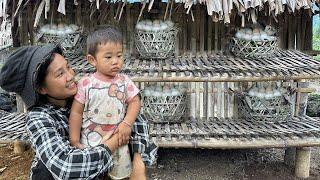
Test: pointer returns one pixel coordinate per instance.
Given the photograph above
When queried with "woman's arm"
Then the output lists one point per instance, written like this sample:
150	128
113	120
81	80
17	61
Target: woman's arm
62	160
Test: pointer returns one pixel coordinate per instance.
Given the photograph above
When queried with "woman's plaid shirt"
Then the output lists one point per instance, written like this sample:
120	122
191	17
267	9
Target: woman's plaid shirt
48	131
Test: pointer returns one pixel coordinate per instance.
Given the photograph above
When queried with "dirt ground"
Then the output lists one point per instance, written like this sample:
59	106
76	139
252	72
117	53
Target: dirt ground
193	164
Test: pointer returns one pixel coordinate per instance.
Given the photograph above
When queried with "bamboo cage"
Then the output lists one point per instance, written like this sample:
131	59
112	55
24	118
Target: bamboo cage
203	63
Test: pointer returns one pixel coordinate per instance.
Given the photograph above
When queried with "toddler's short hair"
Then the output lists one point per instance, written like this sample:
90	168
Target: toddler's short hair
102	35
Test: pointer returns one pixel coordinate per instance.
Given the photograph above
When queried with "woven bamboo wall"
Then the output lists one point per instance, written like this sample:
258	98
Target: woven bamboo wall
202	34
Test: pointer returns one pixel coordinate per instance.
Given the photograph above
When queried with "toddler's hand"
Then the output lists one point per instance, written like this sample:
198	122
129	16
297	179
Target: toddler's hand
124	133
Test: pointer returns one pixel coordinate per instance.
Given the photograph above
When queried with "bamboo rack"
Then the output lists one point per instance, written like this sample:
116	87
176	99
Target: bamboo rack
207	133
237	133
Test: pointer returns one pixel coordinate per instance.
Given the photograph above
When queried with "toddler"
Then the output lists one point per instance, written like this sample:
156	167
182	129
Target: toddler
107	101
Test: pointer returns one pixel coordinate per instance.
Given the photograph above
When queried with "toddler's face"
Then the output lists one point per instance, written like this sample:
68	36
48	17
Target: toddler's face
109	59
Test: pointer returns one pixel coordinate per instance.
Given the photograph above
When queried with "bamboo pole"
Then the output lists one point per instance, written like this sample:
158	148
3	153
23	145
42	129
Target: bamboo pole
209	100
30	23
231	100
201	29
235	143
298	99
192	87
220	102
220	78
237	86
226	99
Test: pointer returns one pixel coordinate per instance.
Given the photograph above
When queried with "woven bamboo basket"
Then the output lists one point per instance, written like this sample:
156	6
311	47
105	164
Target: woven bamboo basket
156	44
164	109
4	53
73	43
5	35
254	49
262	109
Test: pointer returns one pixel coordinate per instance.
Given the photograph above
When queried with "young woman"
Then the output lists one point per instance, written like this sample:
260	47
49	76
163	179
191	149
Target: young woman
45	81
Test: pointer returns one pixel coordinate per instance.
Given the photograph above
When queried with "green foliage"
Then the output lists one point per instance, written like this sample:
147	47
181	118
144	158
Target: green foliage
316	43
316	33
317	57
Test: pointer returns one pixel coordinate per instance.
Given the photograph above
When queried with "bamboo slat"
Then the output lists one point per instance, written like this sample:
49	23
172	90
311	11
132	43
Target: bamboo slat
286	65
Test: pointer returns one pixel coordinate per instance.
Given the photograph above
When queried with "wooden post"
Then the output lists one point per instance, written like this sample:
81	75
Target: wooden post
30	23
216	35
201	30
185	32
209	32
302	165
303	27
78	14
129	32
308	38
292	32
283	20
19	146
301	98
299	31
223	37
302	158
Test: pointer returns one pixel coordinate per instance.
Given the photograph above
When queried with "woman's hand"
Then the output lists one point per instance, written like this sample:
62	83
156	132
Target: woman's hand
124	130
111	142
78	145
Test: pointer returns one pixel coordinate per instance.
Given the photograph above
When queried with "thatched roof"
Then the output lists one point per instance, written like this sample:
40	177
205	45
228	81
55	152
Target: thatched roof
218	9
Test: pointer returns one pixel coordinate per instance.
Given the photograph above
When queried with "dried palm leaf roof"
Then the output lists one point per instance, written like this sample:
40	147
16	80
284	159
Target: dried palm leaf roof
220	10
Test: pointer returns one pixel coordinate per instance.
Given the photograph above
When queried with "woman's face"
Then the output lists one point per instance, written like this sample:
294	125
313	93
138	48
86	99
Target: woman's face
59	82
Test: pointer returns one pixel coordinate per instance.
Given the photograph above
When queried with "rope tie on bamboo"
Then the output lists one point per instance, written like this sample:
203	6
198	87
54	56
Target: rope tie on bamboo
195	143
285	142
